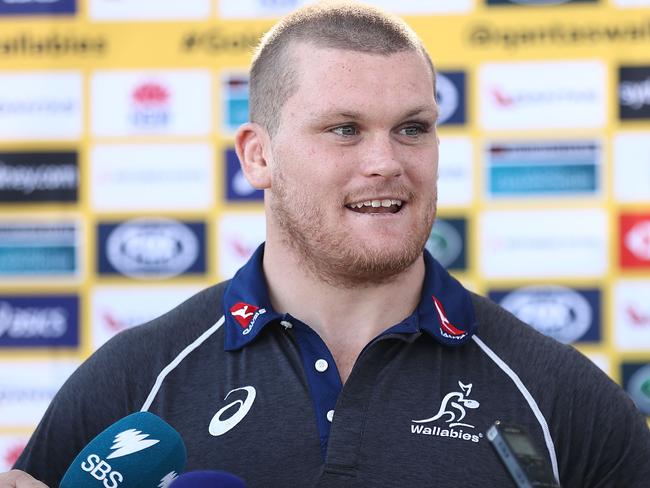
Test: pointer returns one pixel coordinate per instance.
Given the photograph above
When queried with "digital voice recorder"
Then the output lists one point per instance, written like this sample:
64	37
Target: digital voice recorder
526	466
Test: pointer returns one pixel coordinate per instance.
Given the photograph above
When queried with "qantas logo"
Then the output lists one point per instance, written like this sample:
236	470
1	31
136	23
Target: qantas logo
502	99
538	98
113	323
218	426
243	313
447	329
637	317
246	315
242	250
129	442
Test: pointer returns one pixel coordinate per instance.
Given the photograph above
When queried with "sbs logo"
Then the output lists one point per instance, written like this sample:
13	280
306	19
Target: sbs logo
152	248
125	443
555	311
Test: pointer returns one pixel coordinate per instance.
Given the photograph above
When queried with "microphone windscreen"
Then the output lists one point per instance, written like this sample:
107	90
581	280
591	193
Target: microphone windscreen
208	479
138	451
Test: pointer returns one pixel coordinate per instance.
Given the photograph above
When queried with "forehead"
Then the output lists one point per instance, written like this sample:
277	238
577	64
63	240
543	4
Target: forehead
358	81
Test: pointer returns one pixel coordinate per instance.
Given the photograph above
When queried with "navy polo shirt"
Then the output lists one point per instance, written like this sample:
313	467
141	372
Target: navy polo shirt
250	388
445	312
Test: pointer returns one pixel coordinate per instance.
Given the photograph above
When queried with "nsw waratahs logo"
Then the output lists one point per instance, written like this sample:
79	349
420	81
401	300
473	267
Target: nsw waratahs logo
150	105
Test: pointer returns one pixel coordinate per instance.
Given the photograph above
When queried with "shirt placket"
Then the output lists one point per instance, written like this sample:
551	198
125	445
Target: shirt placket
322	375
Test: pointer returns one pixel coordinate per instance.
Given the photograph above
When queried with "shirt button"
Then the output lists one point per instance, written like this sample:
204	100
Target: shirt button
286	324
330	415
321	365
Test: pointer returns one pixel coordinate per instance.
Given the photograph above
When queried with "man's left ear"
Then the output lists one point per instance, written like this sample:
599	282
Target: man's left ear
251	144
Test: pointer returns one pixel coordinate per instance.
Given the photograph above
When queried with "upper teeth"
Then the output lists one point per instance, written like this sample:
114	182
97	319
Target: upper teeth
376	203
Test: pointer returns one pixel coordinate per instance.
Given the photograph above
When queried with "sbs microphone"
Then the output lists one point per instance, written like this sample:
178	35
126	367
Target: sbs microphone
138	451
208	479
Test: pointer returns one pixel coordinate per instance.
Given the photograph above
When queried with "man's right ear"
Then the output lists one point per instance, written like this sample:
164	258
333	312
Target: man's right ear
253	145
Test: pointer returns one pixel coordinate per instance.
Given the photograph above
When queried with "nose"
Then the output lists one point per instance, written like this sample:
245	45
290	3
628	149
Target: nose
380	157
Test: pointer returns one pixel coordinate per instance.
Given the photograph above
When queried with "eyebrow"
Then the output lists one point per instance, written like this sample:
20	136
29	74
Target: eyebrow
353	115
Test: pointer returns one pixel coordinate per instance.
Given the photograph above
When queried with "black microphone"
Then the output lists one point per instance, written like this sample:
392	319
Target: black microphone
138	451
208	479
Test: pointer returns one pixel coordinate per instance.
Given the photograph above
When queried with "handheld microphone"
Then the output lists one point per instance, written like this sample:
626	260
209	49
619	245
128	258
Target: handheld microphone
208	479
138	451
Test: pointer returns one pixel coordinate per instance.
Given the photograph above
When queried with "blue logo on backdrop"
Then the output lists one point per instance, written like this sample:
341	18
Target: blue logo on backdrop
566	314
151	248
235	102
634	92
636	381
447	241
39	321
237	187
450	94
37	7
549	168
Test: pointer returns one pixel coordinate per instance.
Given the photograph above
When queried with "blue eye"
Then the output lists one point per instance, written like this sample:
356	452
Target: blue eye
412	130
345	130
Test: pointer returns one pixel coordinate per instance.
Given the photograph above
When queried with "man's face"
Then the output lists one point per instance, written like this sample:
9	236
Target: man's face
354	164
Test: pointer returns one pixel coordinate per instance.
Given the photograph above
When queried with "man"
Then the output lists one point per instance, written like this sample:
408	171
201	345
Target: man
342	355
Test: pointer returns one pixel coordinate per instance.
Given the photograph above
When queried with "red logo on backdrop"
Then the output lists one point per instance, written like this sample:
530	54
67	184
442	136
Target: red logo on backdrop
501	98
13	453
446	327
150	106
243	313
241	249
150	94
635	241
113	323
637	317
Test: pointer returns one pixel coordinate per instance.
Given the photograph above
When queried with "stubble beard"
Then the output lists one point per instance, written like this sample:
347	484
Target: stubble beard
330	255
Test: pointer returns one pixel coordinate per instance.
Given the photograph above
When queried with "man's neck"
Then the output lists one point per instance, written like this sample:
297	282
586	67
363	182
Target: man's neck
345	318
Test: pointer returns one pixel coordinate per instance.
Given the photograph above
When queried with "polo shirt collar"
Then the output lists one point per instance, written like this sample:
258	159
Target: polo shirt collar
445	311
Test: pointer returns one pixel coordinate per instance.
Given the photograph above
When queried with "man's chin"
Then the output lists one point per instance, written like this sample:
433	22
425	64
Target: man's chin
367	266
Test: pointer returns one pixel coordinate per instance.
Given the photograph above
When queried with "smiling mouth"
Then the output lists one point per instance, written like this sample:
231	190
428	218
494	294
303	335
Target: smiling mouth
376	206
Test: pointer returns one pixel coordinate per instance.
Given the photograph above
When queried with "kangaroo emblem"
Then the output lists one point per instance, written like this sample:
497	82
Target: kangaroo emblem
454	405
242	312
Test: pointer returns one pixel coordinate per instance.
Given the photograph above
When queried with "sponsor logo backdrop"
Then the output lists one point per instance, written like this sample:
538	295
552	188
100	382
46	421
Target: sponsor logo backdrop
121	195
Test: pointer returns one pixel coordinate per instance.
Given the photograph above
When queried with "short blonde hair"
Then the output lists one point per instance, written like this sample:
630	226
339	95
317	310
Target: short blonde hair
339	25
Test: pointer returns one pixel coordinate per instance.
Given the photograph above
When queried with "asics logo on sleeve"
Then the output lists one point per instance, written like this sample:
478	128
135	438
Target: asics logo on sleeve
219	426
129	442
